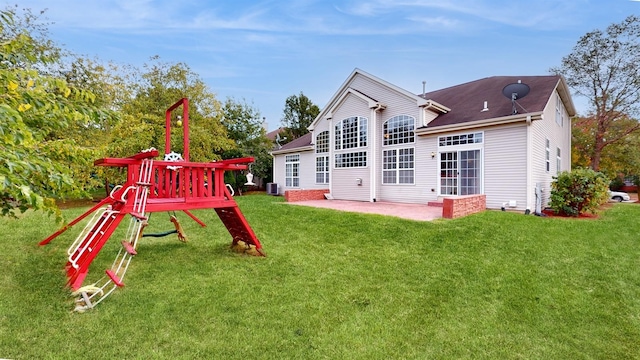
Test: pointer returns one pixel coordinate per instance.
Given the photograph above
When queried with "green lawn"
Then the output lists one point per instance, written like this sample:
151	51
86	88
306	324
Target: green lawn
495	285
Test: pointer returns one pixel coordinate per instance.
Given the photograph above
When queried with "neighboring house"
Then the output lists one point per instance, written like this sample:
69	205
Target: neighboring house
374	141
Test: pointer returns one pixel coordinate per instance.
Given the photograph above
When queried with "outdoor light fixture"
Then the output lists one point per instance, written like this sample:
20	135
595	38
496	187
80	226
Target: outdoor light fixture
433	155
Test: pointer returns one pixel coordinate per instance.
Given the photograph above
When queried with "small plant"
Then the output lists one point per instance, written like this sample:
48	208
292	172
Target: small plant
576	192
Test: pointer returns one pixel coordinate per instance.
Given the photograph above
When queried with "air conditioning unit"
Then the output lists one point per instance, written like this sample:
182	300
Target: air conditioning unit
272	189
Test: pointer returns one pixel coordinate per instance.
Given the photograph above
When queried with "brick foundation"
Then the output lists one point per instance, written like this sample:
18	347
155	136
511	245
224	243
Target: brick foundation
302	195
462	206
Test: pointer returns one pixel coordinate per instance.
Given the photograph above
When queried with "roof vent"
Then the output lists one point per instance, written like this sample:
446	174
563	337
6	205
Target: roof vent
486	106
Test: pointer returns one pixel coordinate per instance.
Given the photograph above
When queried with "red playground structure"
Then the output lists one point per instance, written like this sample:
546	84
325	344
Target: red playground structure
152	185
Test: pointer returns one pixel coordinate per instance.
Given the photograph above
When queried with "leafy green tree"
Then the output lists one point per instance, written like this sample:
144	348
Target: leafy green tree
604	67
299	112
244	127
159	86
40	161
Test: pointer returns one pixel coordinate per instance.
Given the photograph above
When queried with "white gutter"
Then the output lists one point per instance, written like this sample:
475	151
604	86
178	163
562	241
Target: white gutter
530	186
480	123
293	150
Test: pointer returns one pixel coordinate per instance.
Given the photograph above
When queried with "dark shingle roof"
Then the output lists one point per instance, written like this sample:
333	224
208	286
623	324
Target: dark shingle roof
467	100
272	134
304	140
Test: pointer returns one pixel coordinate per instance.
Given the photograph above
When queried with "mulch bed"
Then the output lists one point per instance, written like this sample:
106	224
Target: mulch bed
551	213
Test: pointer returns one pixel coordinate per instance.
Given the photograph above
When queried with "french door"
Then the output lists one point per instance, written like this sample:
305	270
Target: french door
460	172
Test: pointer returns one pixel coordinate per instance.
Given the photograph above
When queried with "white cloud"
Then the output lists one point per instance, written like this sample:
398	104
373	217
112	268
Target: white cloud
525	14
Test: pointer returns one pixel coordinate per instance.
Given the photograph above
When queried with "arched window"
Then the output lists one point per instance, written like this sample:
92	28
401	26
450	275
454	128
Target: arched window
399	130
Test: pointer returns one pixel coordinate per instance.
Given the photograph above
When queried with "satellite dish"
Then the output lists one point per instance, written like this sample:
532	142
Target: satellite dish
514	92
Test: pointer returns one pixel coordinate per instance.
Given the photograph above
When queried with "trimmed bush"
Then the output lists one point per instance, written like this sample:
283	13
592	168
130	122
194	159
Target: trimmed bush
576	192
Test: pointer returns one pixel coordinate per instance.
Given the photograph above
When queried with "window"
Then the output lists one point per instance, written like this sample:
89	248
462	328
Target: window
548	155
452	140
559	110
351	133
322	161
399	130
353	159
292	170
322	142
322	169
558	160
398	166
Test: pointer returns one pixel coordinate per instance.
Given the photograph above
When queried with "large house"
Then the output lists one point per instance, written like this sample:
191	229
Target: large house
502	136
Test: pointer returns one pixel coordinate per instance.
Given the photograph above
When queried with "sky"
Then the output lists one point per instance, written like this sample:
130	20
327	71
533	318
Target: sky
264	51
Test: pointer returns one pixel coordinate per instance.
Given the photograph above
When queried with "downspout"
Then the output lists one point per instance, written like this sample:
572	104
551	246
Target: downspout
530	186
332	138
373	174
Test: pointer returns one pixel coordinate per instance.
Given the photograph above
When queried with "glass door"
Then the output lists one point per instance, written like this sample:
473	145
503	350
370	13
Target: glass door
460	172
449	173
469	172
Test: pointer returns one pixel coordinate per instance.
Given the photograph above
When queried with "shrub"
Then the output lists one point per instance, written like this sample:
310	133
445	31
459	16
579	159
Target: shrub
578	191
617	183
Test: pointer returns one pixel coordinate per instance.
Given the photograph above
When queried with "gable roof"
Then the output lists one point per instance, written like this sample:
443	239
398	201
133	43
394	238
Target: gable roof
466	101
344	89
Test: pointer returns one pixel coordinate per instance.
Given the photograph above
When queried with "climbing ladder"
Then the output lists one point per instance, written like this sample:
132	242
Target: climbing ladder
89	243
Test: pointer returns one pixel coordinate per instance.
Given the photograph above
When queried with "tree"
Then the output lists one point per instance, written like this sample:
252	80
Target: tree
605	68
160	86
619	157
40	160
299	113
244	127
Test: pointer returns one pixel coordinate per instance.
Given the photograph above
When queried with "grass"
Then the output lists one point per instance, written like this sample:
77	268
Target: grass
494	285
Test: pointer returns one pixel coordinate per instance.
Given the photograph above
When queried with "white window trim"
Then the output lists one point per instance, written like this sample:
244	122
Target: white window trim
559	111
547	155
325	173
292	177
397	169
464	147
458	148
339	142
413	131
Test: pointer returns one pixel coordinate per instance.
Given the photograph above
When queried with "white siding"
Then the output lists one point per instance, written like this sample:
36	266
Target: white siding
425	175
505	166
278	172
345	186
343	180
559	136
307	172
425	168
